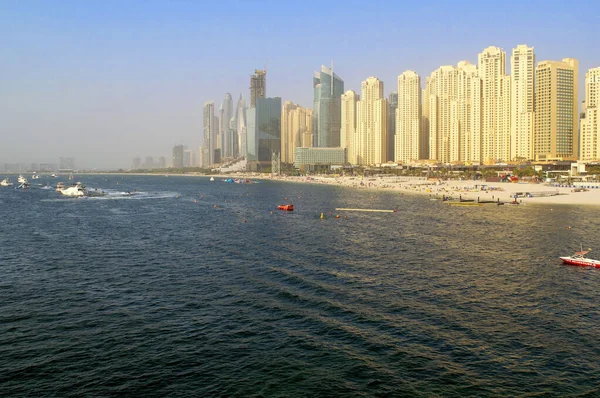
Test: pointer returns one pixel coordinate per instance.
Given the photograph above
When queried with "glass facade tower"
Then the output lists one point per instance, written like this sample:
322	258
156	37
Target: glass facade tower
328	90
263	131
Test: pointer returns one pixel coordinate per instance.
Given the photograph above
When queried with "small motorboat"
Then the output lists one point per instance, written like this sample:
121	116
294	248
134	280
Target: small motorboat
75	190
6	182
580	260
21	179
289	207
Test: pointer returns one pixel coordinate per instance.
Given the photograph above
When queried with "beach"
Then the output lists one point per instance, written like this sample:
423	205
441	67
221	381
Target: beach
470	190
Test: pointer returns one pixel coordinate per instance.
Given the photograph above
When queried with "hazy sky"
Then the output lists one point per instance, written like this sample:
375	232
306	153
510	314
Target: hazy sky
105	81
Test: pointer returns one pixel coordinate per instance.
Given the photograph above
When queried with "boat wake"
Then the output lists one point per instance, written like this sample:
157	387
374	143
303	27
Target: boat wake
111	194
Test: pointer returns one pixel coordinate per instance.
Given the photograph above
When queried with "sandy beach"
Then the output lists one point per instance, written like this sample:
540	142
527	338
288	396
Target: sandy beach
528	193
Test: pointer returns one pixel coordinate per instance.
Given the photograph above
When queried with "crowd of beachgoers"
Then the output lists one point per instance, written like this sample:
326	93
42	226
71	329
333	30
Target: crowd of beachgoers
476	190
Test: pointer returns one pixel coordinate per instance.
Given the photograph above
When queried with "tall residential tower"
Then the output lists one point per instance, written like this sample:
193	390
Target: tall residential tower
224	140
296	130
409	140
495	131
522	66
556	110
371	123
348	132
209	134
590	118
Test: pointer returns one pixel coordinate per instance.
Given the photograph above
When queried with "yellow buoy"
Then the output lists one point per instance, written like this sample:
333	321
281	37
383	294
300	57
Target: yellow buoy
322	216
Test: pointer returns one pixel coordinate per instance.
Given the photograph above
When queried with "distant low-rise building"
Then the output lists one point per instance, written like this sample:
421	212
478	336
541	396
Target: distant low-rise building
310	157
136	163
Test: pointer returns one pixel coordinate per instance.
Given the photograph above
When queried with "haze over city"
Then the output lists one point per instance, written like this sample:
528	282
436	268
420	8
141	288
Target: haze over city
106	81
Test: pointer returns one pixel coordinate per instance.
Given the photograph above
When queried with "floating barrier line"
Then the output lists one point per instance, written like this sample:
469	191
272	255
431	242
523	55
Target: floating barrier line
370	210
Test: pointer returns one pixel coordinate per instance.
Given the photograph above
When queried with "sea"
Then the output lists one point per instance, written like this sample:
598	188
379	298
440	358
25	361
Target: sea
176	286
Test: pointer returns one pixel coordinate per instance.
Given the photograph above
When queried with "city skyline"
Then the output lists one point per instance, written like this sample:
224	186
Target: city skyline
101	98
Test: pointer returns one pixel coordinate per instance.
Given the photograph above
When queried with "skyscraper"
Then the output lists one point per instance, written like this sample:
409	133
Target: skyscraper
241	126
348	131
225	114
522	66
442	89
178	157
371	123
209	133
258	86
136	163
328	89
590	123
264	132
556	110
296	124
495	132
469	113
453	128
393	106
590	118
409	141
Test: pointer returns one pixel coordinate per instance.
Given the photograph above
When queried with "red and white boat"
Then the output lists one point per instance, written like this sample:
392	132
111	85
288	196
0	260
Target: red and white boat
580	260
289	207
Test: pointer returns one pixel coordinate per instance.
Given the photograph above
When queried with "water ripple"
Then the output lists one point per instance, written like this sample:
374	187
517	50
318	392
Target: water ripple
204	289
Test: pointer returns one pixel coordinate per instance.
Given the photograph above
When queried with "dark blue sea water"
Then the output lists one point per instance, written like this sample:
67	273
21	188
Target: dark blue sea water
198	288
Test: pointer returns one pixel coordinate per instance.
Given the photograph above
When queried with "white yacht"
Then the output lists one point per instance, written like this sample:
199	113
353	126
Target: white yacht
21	179
35	176
53	175
75	190
6	182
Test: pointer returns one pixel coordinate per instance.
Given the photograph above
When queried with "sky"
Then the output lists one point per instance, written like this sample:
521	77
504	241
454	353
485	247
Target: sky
105	81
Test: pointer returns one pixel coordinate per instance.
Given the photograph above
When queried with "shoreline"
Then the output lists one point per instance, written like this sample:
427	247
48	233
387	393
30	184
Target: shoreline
469	190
